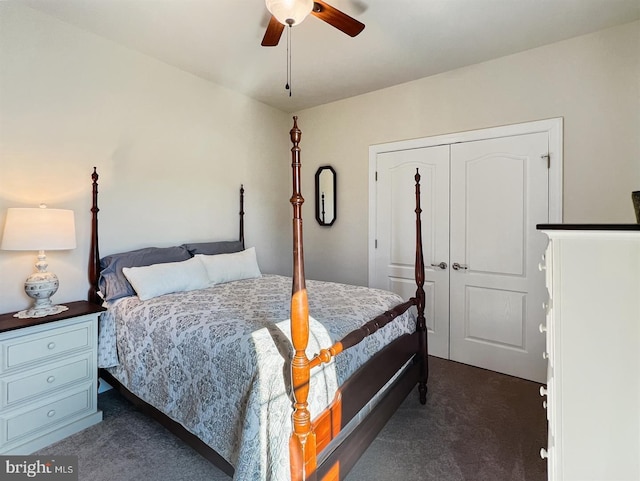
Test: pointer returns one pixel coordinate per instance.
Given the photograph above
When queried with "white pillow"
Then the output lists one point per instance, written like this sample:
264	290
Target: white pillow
158	279
231	267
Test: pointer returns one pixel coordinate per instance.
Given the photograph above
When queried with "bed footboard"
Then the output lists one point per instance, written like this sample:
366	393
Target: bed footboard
344	456
362	386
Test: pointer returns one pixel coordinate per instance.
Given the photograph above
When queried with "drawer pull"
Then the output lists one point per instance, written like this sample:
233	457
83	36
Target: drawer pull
544	404
51	413
546	306
543	391
542	328
51	346
544	454
542	267
545	355
50	379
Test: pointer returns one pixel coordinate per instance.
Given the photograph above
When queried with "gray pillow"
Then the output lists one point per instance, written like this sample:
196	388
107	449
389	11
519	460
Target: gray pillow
214	248
114	285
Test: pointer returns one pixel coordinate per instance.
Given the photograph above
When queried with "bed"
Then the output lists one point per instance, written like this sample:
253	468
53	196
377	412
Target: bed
268	377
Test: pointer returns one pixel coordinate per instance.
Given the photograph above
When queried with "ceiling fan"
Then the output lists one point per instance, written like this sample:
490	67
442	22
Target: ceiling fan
293	12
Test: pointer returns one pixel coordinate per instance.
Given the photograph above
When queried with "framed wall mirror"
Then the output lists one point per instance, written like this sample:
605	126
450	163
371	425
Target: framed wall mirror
326	195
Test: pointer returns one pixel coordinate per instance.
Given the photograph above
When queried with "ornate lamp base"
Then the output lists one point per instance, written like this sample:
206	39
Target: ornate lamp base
40	286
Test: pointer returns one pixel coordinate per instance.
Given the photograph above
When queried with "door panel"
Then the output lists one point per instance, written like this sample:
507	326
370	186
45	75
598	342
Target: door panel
499	192
395	237
495	316
486	191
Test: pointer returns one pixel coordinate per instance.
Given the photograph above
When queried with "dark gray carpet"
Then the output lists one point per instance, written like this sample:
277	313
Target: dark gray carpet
477	425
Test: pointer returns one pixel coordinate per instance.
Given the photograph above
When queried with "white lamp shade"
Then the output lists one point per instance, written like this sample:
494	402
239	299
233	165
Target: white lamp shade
39	229
290	11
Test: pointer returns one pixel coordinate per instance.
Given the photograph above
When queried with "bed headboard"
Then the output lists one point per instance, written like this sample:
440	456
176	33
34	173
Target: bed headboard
94	251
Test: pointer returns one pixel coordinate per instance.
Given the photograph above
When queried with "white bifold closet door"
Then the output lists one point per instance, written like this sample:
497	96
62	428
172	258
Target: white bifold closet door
481	202
499	193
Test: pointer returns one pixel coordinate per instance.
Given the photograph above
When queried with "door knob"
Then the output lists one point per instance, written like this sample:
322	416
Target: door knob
442	265
457	266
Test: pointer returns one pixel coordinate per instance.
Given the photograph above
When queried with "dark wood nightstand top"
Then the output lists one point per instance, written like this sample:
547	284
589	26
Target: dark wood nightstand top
77	308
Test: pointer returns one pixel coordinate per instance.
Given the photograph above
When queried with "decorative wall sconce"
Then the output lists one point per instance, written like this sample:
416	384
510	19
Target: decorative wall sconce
326	205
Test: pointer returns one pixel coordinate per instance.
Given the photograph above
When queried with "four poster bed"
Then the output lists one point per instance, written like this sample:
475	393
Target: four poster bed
197	337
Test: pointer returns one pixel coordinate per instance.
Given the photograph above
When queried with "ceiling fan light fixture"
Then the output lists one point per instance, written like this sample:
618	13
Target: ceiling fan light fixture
289	12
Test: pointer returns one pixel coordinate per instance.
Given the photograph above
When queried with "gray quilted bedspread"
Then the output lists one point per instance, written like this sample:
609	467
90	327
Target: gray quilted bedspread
216	359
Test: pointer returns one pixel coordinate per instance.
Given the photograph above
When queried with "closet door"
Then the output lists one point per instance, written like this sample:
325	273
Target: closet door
499	192
394	257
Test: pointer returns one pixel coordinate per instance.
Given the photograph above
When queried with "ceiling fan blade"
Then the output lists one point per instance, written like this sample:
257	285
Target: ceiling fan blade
273	33
336	18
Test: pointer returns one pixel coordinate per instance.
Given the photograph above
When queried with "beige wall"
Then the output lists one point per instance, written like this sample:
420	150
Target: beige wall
593	82
171	149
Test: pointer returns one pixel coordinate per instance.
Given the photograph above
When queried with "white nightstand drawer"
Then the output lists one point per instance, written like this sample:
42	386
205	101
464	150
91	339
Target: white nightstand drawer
42	346
48	377
63	408
37	382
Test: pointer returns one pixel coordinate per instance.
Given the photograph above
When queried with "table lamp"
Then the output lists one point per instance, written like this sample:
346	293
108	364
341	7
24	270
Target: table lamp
39	229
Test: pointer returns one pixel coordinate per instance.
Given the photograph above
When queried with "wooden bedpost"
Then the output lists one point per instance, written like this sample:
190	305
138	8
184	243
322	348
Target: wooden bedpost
94	254
421	325
302	445
241	235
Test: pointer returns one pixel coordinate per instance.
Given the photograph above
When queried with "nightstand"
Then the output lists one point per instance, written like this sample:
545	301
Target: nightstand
48	377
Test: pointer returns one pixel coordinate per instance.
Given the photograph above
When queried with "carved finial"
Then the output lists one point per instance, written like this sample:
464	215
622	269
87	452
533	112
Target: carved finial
94	176
295	132
418	208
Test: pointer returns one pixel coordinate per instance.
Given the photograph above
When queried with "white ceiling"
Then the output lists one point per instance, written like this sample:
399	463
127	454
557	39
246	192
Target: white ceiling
403	40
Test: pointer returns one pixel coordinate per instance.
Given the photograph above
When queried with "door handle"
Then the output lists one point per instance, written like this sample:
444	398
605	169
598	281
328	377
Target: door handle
442	265
457	267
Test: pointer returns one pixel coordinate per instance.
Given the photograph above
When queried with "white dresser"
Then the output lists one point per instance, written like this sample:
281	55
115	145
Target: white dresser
48	377
593	350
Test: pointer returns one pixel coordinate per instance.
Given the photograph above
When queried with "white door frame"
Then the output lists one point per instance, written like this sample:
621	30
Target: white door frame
552	126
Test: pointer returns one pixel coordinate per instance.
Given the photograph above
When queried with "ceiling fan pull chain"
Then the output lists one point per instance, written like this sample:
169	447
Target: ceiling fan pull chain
288	85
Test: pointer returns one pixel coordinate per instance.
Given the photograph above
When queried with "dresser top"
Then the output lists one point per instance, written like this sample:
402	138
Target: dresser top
78	308
590	227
